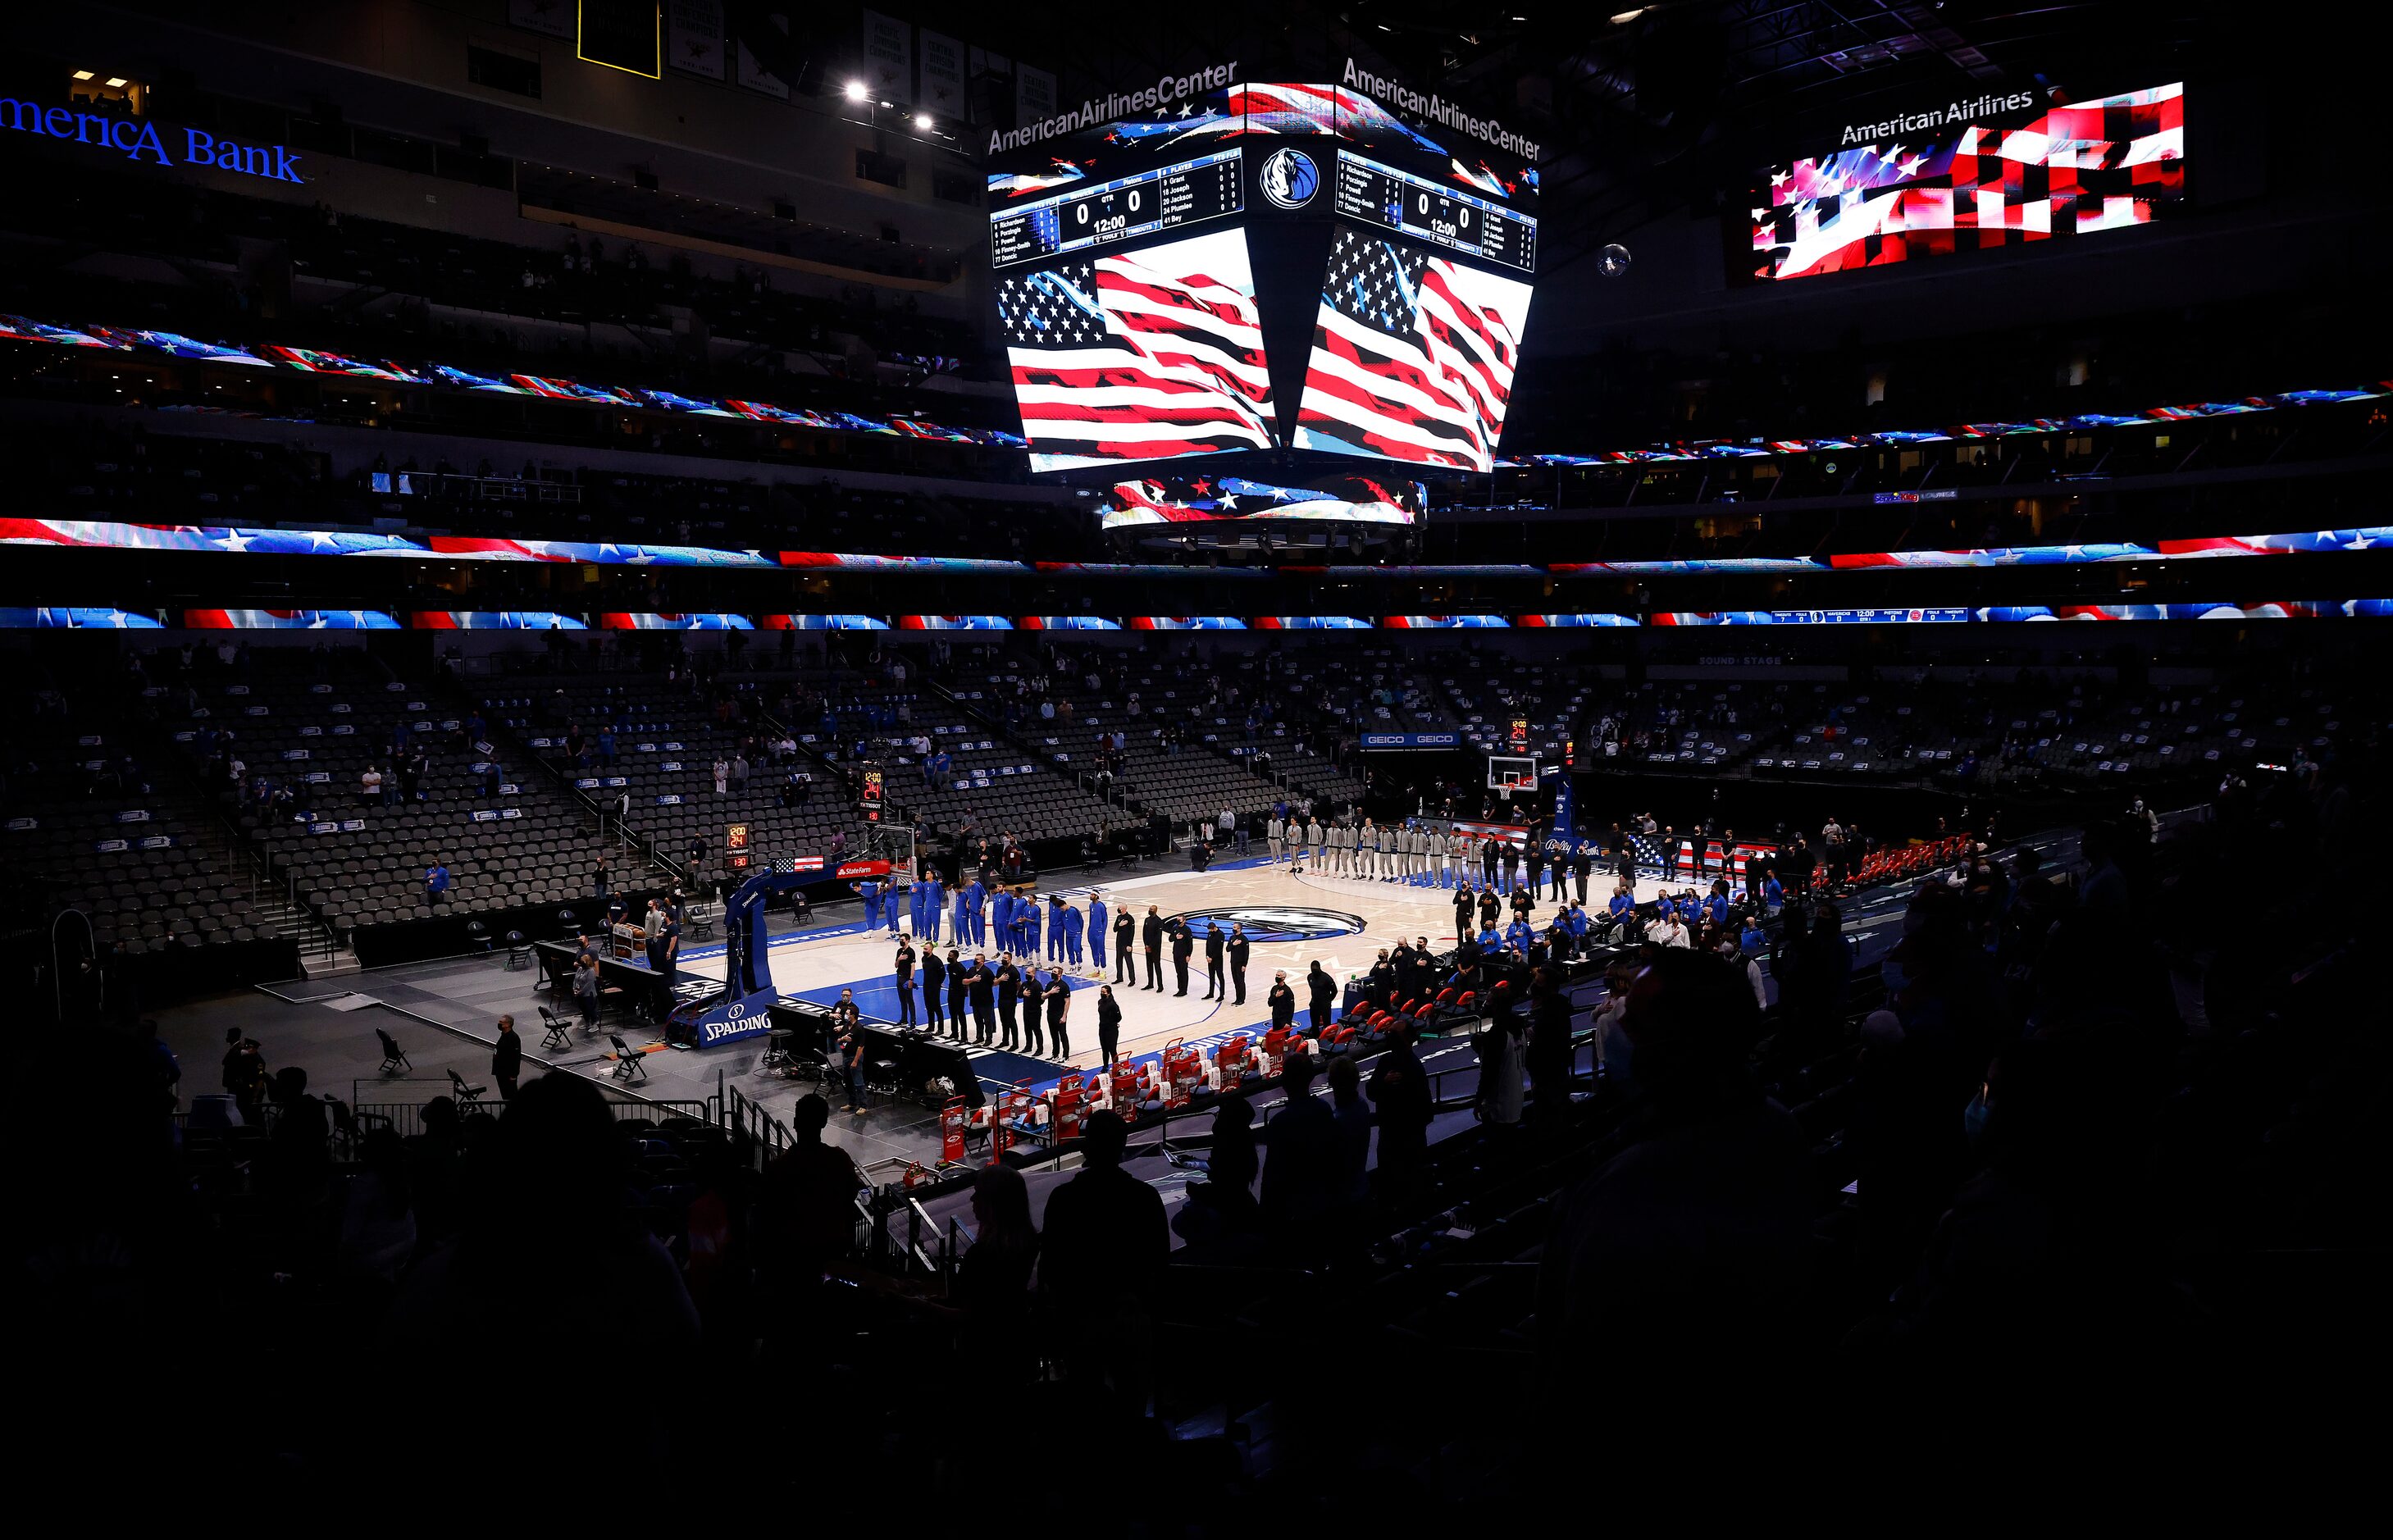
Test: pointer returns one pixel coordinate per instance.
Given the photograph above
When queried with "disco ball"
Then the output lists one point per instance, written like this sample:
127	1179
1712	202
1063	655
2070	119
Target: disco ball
1614	261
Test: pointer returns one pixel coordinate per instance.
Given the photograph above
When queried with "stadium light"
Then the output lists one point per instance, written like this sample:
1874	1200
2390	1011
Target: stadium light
82	75
855	90
116	83
923	121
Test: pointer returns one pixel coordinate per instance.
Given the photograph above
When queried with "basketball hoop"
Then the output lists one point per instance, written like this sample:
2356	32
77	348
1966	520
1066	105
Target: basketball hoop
1511	772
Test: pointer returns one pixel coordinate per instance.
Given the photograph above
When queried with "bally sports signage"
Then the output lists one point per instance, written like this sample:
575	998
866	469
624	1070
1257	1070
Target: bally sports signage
140	140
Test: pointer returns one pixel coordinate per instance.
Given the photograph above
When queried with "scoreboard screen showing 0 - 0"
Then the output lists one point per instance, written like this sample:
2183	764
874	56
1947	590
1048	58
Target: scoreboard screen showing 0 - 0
1512	772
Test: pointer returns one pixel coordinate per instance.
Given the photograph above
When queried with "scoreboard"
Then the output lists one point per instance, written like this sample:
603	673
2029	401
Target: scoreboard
1398	199
1190	193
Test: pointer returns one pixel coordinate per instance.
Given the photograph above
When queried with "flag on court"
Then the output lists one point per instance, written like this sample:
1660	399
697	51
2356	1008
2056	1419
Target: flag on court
1412	356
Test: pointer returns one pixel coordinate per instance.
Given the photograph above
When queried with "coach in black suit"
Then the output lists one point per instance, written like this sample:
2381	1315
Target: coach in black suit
1215	944
1151	934
1238	949
934	980
1125	932
1184	947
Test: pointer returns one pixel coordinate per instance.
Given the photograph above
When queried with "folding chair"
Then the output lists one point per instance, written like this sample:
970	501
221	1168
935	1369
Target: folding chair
556	1032
394	1058
627	1062
466	1095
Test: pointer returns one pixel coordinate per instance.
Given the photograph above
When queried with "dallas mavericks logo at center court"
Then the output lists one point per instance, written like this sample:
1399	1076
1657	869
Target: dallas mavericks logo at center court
1289	179
1266	922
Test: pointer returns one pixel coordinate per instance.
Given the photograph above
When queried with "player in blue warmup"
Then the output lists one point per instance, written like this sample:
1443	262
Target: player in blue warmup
1097	921
1072	922
869	891
977	897
934	902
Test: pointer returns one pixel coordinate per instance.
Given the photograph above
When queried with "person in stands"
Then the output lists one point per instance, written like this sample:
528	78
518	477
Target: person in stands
1105	1249
1699	1227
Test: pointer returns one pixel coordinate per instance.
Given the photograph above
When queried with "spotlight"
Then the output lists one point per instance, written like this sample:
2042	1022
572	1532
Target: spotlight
923	122
116	83
82	75
855	90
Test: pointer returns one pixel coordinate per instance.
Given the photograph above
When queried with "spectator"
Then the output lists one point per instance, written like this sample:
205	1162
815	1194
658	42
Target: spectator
550	1223
1549	1055
1353	1115
1300	1180
1105	1247
1699	1228
245	1075
1399	1086
992	1286
806	1204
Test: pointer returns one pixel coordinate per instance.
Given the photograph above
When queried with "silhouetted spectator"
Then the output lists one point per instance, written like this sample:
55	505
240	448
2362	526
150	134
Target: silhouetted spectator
549	1227
992	1283
807	1202
1399	1086
1696	1232
1300	1180
1106	1238
1221	1210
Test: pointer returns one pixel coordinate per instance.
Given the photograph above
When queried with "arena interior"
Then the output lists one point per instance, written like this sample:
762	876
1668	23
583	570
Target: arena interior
1741	878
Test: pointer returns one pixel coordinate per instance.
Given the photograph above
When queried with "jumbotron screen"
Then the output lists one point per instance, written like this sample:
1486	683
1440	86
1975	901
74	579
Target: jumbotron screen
1972	177
1218	278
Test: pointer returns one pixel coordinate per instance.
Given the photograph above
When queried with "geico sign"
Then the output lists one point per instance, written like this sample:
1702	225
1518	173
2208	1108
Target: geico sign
137	138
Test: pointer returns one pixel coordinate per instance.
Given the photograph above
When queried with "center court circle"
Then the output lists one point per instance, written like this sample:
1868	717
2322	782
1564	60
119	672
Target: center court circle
1276	921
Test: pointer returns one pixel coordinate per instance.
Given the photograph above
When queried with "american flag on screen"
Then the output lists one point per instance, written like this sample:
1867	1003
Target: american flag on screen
1412	357
1139	356
1964	185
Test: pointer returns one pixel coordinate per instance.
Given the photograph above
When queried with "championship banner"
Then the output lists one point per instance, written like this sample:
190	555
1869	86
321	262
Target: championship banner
943	75
1034	94
694	37
551	17
753	76
889	56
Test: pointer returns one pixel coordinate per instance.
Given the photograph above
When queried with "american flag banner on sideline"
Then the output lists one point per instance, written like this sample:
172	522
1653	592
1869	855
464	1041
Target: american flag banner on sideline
1139	356
1412	357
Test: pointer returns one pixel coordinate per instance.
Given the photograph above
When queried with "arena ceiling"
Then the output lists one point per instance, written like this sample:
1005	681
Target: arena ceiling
1646	109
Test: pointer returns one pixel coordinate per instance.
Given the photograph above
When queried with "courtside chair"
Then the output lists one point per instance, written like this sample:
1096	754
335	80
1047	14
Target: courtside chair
394	1058
467	1096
